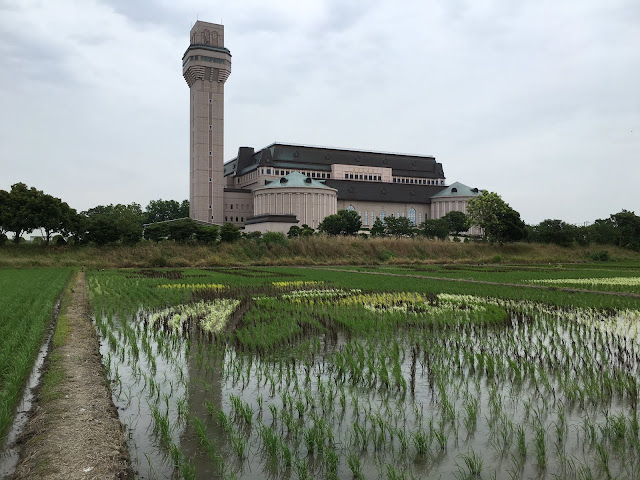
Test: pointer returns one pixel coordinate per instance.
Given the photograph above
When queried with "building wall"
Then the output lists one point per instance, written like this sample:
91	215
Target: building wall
369	211
309	205
270	227
361	172
354	173
442	205
238	206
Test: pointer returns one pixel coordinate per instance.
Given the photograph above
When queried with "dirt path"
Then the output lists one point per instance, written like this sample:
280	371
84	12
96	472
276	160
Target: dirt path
485	282
74	431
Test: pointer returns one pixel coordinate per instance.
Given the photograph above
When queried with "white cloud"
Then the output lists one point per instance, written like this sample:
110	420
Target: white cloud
537	101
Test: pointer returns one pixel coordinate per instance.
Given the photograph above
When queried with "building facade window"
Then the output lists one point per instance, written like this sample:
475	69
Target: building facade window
351	208
383	214
412	215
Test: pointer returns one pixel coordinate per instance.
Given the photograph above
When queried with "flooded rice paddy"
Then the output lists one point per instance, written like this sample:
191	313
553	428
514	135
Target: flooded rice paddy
302	380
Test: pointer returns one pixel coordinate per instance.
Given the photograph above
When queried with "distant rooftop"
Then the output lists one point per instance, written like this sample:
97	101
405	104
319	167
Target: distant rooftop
457	189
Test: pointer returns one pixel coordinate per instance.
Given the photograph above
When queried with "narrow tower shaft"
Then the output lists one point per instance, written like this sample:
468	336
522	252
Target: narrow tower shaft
206	65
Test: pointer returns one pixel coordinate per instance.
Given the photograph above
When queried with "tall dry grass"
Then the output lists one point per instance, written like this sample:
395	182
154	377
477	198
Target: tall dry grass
316	250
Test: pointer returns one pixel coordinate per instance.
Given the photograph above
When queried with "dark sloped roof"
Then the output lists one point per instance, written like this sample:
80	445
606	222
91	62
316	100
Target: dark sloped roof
287	155
383	192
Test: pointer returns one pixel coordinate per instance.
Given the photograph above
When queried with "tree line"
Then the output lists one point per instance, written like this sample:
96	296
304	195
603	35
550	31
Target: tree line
25	209
498	222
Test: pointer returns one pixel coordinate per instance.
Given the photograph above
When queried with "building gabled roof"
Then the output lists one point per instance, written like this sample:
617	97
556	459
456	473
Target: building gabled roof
457	189
384	192
296	180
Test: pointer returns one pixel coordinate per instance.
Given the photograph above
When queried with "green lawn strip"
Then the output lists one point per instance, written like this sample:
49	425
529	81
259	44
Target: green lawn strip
27	300
55	375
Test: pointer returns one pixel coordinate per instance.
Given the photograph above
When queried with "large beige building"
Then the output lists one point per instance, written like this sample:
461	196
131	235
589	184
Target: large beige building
282	185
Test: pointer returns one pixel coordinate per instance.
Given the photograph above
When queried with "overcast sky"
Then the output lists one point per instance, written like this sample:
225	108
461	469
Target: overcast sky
537	100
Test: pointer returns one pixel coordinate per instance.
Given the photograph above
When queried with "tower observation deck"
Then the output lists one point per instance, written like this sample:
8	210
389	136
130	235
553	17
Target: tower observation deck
206	65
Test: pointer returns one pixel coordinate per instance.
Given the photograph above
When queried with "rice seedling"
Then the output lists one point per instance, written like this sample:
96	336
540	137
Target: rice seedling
336	362
353	461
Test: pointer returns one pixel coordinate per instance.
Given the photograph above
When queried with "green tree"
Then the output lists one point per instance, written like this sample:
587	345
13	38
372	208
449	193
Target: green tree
554	231
399	227
55	216
603	232
207	234
435	228
4	215
162	210
497	219
113	224
511	227
378	229
294	231
156	231
182	230
22	210
306	230
229	232
457	221
345	222
627	225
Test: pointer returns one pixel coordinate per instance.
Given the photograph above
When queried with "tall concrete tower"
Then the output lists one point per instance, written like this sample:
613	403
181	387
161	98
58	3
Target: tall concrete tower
206	65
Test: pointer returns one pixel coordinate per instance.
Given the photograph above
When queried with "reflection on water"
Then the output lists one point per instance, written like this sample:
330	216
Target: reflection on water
427	404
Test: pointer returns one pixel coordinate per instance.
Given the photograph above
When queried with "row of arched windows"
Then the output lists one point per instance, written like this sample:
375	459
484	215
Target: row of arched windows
412	215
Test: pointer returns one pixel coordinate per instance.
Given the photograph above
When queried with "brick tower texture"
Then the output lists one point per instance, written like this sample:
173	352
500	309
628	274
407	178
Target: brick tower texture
206	65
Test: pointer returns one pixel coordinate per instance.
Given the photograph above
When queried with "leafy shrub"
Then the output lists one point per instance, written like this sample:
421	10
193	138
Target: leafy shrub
385	255
601	256
275	238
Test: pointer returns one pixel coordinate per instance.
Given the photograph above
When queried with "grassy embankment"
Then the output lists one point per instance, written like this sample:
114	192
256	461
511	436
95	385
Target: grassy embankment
317	250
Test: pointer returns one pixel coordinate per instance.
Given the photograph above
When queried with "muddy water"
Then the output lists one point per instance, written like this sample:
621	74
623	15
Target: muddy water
177	376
